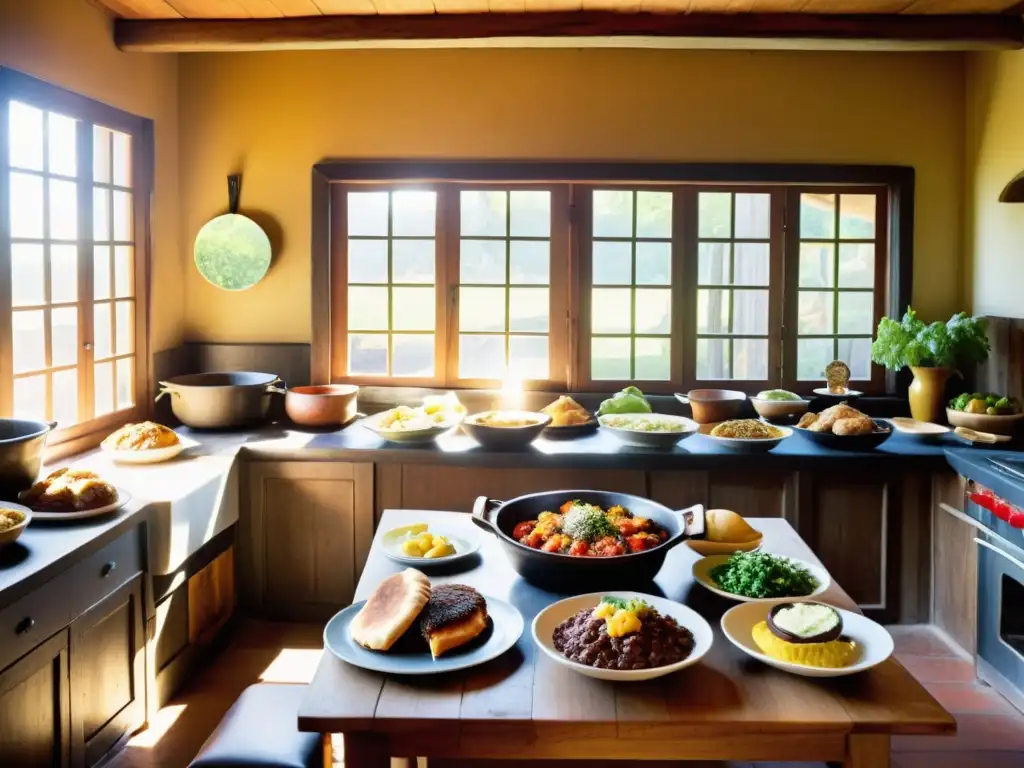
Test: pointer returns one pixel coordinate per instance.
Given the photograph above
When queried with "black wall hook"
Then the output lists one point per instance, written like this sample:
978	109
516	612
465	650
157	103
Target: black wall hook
234	188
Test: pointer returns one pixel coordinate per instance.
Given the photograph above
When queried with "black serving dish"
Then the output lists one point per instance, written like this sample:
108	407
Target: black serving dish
566	573
824	637
866	442
572	431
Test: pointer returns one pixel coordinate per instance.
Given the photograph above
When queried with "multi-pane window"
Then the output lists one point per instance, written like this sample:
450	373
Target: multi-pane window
836	303
113	276
733	277
43	183
504	284
391	277
587	285
70	327
630	285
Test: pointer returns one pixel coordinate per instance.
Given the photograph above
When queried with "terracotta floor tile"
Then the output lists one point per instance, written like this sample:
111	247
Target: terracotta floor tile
974	732
958	760
922	640
970	699
939	669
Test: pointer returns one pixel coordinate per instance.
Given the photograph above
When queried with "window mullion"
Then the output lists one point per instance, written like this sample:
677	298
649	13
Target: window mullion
86	290
447	265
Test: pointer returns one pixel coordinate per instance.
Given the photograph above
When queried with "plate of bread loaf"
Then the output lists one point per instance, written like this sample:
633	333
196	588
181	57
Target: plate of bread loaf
409	626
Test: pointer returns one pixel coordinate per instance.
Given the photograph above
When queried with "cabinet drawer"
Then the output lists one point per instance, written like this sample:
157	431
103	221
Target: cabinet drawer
104	571
32	619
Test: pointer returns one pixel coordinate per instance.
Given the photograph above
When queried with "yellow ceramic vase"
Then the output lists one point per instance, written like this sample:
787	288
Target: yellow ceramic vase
927	391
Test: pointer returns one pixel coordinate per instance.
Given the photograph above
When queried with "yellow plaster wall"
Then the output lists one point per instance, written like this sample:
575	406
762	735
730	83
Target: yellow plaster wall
272	115
994	263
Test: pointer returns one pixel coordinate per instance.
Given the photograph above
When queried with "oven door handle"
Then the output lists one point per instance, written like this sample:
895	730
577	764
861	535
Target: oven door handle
963	517
998	551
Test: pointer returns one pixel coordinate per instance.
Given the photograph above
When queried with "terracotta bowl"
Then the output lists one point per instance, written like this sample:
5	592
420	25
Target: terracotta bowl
710	406
325	405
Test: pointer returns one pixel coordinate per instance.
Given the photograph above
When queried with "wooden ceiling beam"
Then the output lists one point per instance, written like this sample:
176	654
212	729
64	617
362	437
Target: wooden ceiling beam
198	35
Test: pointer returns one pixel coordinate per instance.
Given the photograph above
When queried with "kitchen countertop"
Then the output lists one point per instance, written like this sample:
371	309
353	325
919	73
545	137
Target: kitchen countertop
600	450
187	501
45	550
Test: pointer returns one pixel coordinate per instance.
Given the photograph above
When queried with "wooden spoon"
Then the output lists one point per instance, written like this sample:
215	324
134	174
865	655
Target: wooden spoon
980	437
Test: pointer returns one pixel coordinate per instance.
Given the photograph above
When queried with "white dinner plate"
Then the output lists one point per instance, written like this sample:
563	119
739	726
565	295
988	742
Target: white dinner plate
547	620
702	573
465	540
505	626
875	643
425	435
149	455
123	497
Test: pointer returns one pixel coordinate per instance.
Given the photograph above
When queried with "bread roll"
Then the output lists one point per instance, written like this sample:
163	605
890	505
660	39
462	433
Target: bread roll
391	610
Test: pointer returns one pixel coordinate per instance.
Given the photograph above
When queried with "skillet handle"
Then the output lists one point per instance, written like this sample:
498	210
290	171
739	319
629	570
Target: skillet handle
693	525
481	513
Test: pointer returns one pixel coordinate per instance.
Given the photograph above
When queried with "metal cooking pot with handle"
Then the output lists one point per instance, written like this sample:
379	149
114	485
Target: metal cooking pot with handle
566	573
21	454
220	400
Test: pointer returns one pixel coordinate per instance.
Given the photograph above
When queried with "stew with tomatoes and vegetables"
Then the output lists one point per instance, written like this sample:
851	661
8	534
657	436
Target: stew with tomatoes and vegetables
587	530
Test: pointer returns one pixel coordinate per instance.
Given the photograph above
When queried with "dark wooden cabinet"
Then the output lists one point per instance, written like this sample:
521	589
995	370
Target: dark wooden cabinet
35	708
107	673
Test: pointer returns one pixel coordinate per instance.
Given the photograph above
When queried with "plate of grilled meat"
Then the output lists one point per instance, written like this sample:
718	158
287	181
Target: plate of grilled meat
409	626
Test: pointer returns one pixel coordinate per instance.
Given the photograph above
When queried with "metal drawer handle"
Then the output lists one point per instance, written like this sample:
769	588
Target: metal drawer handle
24	625
998	551
108	569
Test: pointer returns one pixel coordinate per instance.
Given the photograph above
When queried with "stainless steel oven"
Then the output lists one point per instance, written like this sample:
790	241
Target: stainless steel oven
1000	541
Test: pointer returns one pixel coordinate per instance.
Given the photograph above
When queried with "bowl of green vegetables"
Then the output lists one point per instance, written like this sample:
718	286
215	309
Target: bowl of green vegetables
985	412
758	576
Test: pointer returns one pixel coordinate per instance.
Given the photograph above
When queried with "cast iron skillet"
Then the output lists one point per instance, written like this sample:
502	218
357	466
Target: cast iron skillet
566	573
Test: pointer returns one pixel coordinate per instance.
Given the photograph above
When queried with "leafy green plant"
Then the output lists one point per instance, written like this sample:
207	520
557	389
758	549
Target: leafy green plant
960	340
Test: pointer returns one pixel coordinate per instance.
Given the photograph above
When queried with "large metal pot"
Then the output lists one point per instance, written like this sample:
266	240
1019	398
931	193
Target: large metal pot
21	454
565	573
220	400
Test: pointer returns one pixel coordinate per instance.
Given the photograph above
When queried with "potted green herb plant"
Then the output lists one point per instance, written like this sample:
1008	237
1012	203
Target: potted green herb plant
932	351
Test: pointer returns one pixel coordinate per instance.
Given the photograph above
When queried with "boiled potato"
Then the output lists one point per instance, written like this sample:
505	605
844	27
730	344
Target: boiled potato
411	548
443	550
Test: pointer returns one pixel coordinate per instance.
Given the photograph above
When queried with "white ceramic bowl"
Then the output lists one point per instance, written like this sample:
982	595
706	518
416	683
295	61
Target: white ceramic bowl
780	410
545	622
702	573
875	643
648	439
465	539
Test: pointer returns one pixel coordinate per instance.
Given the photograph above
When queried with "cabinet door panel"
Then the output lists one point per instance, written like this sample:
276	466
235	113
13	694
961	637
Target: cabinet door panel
308	536
851	537
304	535
34	708
107	672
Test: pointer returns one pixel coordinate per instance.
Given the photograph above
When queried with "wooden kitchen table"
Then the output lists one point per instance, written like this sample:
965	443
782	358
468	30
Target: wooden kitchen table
523	705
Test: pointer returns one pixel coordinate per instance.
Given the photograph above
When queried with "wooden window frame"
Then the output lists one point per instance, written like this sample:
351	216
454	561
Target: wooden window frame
883	280
17	86
583	195
895	234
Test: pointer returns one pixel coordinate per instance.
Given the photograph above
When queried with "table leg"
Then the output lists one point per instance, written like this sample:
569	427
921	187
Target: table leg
327	749
867	750
366	750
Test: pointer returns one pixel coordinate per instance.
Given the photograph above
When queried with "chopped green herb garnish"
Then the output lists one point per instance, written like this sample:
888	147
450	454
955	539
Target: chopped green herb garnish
763	575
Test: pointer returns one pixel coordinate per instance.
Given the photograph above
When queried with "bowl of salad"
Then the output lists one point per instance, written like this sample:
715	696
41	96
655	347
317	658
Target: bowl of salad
419	424
649	430
749	577
779	405
985	412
